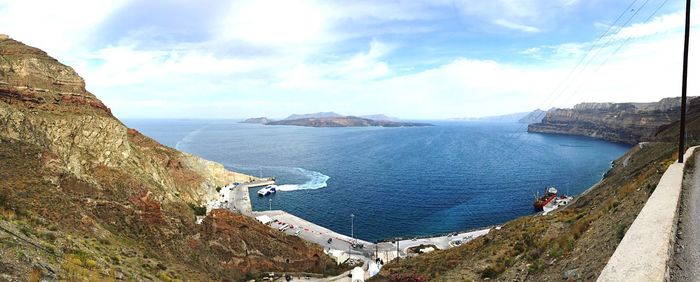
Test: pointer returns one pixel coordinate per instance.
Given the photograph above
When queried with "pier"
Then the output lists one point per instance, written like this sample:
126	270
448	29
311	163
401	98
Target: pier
339	246
240	195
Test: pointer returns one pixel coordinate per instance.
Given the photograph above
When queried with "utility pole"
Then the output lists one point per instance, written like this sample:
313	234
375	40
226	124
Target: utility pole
681	137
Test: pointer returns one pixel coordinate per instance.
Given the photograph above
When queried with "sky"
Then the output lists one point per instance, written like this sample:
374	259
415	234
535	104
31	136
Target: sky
412	59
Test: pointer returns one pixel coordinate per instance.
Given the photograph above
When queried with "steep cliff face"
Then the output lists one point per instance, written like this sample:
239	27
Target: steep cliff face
83	196
619	122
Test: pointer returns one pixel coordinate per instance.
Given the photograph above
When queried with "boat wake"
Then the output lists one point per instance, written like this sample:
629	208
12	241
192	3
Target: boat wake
311	179
182	143
316	180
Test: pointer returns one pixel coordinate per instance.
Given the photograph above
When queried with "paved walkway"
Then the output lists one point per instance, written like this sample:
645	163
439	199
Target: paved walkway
319	235
686	258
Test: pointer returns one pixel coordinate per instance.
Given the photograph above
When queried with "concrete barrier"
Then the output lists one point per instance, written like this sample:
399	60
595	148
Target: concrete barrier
644	252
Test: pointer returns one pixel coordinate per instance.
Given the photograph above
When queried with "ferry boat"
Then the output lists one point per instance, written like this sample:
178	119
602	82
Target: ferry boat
268	190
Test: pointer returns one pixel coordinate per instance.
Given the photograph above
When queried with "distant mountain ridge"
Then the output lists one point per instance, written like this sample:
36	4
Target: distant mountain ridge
514	117
314	115
332	119
344	121
380	117
535	116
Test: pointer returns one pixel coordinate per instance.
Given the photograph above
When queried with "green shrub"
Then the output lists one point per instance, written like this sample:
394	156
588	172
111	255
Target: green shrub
198	210
620	232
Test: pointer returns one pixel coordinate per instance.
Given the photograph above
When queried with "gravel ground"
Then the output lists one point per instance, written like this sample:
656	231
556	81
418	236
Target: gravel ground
686	258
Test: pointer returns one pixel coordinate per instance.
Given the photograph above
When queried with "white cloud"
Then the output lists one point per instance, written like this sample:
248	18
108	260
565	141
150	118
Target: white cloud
531	51
266	22
660	24
521	15
287	73
58	27
516	26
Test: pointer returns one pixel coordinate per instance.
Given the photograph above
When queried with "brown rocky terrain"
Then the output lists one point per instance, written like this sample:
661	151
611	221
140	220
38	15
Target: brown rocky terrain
618	122
83	197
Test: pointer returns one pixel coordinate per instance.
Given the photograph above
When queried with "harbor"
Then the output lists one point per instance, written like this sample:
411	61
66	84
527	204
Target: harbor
341	247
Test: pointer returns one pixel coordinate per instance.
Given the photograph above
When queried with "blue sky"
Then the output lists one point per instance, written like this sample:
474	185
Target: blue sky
412	59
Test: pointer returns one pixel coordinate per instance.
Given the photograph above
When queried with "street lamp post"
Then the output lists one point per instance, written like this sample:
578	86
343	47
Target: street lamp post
352	227
397	249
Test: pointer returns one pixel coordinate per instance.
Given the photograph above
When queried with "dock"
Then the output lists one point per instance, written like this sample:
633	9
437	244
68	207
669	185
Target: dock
241	195
339	246
237	197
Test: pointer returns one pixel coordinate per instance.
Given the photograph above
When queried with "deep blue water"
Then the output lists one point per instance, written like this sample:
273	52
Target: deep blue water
397	181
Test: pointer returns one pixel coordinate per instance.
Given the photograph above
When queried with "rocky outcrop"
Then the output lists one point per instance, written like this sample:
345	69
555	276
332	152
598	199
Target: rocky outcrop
68	168
618	122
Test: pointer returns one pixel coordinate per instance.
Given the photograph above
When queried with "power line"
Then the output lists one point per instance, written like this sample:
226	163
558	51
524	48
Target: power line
588	52
614	52
593	46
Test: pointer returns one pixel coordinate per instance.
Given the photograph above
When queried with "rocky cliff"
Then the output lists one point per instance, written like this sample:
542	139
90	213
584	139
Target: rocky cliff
84	197
619	122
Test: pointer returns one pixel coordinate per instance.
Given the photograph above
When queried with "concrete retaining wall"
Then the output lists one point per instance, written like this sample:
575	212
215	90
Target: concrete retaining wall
644	252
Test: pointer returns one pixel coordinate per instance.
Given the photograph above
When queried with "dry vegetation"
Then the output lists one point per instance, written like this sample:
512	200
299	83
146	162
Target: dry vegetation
119	226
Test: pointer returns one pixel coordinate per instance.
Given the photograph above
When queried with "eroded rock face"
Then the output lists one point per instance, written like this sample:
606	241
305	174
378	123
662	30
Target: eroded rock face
30	77
45	103
619	122
67	162
78	140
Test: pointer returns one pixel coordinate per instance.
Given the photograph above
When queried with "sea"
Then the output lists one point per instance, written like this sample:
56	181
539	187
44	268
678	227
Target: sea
382	183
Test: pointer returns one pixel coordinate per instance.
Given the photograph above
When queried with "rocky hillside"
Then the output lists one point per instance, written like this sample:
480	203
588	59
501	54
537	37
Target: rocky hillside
571	244
619	122
84	197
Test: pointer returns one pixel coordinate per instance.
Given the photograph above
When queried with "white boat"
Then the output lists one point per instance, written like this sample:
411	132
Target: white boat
268	190
559	201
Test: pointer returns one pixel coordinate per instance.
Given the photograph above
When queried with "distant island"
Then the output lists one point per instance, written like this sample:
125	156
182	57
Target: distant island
331	119
259	120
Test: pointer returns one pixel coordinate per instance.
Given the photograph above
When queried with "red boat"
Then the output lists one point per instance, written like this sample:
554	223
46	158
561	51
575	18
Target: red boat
549	195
